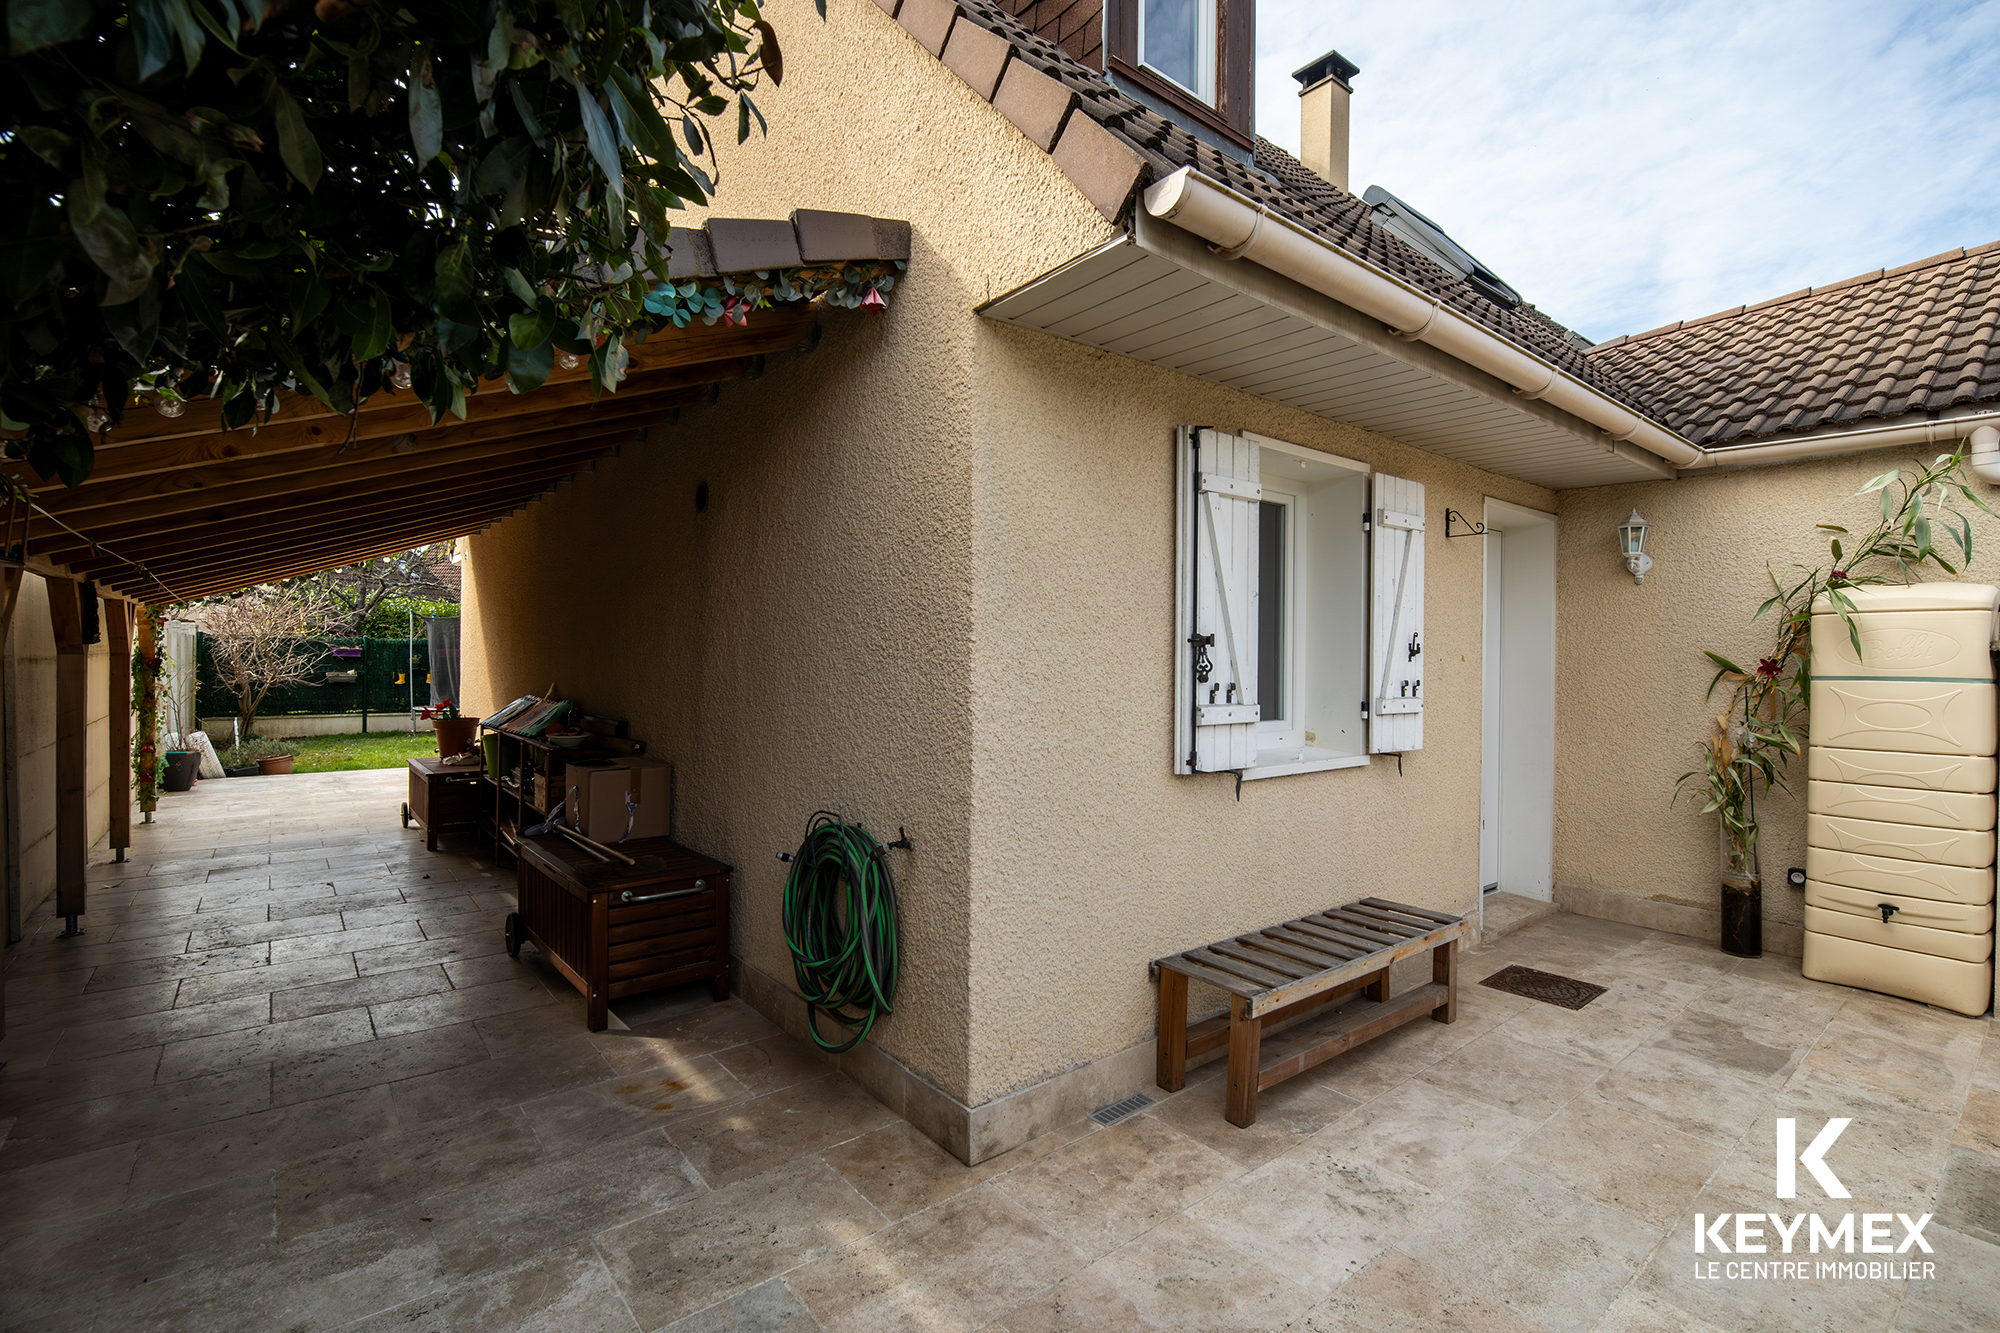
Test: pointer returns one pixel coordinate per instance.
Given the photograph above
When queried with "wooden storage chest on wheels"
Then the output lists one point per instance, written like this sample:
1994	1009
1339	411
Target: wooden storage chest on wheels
615	931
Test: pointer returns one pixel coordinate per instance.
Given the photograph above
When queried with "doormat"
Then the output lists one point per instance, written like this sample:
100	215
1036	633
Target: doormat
1544	986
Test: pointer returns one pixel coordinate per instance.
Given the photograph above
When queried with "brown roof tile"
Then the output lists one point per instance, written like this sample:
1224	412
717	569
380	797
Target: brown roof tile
1274	179
1917	338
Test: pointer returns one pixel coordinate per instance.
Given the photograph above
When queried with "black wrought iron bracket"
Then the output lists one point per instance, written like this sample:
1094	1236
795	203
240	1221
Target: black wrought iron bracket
1471	529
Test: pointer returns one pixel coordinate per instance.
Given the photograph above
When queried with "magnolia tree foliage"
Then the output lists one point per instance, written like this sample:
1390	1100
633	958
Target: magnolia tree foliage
230	197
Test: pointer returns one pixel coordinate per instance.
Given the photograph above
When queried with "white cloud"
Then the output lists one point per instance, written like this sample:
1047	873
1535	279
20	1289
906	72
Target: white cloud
1625	166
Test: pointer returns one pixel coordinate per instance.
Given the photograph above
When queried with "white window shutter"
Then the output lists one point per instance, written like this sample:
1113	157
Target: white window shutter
1396	616
1216	711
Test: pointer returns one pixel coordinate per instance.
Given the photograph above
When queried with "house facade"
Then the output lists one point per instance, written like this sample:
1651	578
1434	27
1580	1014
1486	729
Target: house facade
1130	563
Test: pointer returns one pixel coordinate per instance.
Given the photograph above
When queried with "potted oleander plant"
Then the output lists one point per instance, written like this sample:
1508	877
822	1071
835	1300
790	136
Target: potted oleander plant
1763	720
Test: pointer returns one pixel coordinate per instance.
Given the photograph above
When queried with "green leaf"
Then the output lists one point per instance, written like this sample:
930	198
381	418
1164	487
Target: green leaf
426	113
310	295
34	24
603	146
1723	662
378	332
198	294
528	365
136	323
105	233
455	275
296	144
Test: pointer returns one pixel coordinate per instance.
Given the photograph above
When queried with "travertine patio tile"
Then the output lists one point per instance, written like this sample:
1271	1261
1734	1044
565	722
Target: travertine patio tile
228	936
1398	1294
547	1201
1799	1014
362	943
1639	1311
1517	1076
1918	1077
362	1178
47	1087
1427	1132
1286	1115
1968	1197
1105	1188
444	1008
632	1104
322	1281
686	1259
45	1271
1176	1276
1979	1128
364	1065
751	1137
262	1045
352	991
76	1010
1595	1148
1317	1214
408	948
260	1141
567	1289
175	967
271	981
1684	1092
1963	1296
768	1307
1729	1043
64	1189
499	1081
1555	1257
155	1029
954	1266
704	1031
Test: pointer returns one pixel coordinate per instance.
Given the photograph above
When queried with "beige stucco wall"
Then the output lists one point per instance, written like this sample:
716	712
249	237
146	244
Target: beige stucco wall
34	742
935	590
1630	679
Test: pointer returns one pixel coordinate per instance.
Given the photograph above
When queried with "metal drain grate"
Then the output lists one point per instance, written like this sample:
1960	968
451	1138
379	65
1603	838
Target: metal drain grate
1547	987
1112	1114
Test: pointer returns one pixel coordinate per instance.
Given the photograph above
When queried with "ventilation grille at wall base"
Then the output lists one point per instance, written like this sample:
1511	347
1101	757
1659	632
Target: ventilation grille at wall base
1112	1114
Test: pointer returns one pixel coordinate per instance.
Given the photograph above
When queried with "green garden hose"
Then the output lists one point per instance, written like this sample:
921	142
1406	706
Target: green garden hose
840	923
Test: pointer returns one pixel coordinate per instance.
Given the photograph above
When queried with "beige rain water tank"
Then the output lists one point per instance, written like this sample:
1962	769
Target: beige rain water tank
1900	805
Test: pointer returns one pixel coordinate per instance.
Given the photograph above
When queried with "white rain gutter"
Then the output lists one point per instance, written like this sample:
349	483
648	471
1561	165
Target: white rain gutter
1239	228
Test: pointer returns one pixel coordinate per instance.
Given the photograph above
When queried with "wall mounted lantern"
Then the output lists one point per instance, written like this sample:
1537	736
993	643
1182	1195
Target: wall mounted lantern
1632	545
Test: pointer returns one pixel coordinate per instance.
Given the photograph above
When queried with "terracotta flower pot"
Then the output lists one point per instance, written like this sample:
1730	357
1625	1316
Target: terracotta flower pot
276	764
455	735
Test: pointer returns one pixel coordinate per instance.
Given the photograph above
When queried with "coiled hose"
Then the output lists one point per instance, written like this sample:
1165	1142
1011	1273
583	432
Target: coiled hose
840	924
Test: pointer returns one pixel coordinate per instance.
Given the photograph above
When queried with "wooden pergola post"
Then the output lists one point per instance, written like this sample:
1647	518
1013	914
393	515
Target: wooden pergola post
10	593
118	618
72	749
149	714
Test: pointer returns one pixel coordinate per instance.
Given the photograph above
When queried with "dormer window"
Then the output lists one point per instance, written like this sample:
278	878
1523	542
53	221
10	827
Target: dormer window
1177	40
1189	60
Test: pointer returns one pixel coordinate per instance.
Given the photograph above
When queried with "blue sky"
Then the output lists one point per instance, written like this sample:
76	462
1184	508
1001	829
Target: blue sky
1627	165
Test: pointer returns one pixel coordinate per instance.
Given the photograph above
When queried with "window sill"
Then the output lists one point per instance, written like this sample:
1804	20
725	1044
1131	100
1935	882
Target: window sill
1284	763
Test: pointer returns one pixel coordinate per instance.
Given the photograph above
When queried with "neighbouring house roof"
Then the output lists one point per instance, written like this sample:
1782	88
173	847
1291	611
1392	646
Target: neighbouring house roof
1917	338
1112	147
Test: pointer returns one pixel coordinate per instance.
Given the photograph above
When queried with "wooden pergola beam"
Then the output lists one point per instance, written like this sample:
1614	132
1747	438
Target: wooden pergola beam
237	569
495	490
332	557
778	329
250	500
288	525
191	489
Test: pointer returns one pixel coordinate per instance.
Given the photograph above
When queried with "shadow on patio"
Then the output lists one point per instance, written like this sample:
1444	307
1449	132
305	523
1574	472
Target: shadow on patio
290	1079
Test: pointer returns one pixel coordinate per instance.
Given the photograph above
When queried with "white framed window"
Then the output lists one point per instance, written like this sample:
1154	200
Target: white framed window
1300	608
1177	42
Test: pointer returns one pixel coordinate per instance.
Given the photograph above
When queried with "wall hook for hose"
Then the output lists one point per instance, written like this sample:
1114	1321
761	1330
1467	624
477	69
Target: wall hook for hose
902	840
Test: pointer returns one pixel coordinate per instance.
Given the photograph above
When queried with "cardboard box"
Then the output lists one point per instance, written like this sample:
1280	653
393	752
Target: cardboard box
597	796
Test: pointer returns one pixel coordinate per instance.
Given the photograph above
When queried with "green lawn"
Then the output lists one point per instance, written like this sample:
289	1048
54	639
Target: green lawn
376	749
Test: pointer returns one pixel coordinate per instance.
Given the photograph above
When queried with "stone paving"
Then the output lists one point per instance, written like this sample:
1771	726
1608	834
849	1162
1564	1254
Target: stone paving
290	1080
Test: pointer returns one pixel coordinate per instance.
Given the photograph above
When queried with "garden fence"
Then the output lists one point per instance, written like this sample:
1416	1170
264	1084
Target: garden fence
353	677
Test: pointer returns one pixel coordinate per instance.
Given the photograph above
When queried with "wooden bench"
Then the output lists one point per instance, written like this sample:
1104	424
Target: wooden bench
1287	970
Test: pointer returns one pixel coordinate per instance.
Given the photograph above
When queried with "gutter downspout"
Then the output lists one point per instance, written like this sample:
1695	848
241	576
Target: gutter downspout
1239	228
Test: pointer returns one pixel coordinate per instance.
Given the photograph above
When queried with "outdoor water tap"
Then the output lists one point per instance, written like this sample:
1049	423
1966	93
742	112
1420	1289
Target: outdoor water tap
1888	910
